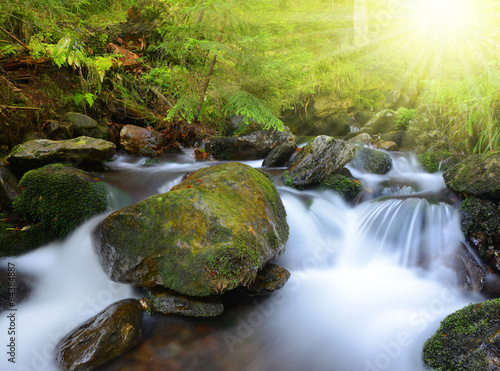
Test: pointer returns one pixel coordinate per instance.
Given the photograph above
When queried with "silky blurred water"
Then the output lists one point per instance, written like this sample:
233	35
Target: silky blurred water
369	284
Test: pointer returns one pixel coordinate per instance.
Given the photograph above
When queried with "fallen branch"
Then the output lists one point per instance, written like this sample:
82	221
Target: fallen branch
15	38
18	107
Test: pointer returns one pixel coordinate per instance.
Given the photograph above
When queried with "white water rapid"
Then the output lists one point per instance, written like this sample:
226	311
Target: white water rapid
369	284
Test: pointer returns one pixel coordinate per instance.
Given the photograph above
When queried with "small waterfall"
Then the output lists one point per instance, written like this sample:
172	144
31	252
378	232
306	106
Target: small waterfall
368	284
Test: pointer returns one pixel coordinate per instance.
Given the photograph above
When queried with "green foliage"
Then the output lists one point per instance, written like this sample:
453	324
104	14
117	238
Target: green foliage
432	160
404	116
60	198
348	188
252	109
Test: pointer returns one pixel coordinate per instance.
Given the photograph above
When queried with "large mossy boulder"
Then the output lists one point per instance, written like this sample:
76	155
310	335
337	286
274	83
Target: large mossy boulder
468	339
477	175
82	150
60	197
83	125
383	122
107	335
209	234
252	146
320	158
371	161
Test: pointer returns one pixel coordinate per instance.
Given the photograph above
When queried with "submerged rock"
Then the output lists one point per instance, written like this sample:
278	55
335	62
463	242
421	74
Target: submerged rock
371	161
60	197
477	175
105	336
255	145
468	339
37	153
321	157
171	302
209	234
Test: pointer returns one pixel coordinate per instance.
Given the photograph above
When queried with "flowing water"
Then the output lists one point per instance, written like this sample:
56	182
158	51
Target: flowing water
369	284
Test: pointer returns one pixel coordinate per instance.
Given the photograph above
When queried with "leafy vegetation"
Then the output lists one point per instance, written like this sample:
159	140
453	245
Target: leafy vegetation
160	62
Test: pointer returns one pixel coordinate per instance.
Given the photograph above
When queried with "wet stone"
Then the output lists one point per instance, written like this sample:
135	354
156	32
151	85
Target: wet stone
270	278
170	302
103	337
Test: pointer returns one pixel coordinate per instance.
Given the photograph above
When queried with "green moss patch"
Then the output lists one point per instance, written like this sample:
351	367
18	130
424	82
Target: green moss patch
467	339
60	198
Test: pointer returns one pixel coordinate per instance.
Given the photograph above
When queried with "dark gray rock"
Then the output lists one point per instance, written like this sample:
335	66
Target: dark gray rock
371	161
280	155
170	302
321	157
255	145
84	125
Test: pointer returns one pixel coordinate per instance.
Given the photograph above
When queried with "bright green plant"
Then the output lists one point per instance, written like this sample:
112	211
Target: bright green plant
404	117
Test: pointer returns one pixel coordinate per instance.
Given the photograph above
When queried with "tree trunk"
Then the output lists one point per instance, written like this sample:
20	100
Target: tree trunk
360	22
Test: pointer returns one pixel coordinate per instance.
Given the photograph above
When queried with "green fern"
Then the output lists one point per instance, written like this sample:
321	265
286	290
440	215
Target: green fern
252	110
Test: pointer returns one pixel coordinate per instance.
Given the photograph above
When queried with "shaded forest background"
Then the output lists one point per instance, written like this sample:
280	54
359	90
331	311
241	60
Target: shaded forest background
188	66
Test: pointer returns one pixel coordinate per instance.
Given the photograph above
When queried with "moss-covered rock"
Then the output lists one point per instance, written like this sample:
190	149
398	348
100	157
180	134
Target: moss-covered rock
371	161
383	122
432	161
82	150
468	339
348	188
320	158
170	302
103	337
209	234
19	236
481	227
83	125
60	197
477	175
